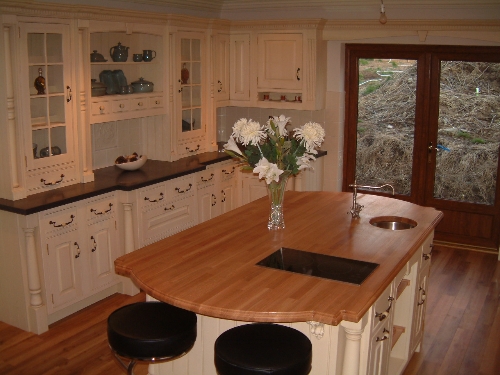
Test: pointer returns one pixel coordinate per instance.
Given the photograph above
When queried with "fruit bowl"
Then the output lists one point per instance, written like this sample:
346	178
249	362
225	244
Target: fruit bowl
131	162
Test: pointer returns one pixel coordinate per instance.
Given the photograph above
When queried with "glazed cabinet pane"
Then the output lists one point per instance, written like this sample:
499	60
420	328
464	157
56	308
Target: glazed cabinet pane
47	104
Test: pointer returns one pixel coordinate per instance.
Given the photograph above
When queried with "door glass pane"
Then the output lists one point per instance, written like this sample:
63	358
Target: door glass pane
47	94
386	123
468	132
191	84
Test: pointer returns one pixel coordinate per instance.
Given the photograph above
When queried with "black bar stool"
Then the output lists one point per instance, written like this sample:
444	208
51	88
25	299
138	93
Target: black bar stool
263	348
150	332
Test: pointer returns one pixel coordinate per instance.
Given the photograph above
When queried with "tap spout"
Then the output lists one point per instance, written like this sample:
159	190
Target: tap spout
356	207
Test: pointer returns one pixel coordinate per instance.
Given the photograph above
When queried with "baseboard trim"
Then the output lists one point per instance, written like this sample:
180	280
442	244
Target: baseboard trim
489	250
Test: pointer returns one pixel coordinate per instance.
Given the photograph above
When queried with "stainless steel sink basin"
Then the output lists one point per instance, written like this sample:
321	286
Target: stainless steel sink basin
393	222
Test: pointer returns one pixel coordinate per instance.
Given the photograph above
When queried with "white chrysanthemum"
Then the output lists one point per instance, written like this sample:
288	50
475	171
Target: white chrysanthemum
304	161
312	133
248	132
267	170
232	146
280	122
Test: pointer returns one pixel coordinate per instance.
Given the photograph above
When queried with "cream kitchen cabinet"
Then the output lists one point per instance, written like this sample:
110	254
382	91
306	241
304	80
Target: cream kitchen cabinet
283	69
216	190
165	209
207	186
239	69
79	246
221	68
190	81
46	105
274	71
134	38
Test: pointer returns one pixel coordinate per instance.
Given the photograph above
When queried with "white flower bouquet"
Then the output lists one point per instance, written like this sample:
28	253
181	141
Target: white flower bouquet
270	150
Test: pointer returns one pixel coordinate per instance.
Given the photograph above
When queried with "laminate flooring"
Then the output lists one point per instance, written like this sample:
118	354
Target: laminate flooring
462	328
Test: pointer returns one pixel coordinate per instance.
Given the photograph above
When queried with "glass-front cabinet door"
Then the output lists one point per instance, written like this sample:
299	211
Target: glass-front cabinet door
47	90
190	77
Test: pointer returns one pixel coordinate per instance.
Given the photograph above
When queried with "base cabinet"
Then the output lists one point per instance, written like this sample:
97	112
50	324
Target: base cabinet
79	246
166	208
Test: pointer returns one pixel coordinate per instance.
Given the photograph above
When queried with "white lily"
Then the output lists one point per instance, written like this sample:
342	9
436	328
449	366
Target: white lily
232	146
304	162
267	170
280	122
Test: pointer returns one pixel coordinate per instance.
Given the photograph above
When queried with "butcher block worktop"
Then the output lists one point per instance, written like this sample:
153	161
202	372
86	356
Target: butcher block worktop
211	268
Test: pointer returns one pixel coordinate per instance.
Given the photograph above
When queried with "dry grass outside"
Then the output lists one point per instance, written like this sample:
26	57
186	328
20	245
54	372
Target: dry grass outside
468	131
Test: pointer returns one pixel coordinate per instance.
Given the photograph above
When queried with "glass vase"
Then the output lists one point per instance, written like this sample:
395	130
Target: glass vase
276	192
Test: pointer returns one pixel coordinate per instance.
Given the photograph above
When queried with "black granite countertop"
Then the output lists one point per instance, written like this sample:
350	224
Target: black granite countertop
112	178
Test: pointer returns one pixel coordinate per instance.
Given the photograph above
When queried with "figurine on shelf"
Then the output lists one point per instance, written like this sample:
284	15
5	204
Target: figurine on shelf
184	74
40	83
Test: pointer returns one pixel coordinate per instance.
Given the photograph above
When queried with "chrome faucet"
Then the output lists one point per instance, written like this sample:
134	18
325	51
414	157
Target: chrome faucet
356	207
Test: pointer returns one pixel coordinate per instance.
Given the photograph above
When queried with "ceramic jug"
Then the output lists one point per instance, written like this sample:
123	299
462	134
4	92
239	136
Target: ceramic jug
119	53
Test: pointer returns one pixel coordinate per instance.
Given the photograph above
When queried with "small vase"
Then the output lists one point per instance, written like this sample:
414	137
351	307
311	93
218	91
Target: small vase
276	192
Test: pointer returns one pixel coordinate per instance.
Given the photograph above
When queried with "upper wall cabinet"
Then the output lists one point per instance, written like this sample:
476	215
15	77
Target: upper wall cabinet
190	84
280	62
221	67
129	59
47	105
283	68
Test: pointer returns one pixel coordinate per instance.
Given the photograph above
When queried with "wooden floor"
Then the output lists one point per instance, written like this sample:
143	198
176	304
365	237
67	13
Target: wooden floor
462	328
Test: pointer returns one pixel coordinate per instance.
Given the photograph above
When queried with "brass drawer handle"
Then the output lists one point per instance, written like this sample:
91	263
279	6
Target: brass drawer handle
154	200
183	191
52	183
385	337
102	212
196	149
55	225
424	296
207	179
381	316
94	248
172	207
77	250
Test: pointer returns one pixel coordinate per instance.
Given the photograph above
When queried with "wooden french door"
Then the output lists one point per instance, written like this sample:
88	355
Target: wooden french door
426	120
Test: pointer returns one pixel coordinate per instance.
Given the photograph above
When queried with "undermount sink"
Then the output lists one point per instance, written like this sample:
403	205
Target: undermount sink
393	222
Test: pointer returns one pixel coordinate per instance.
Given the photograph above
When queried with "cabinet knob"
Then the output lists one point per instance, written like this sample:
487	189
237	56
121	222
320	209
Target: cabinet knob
157	102
140	104
122	105
101	108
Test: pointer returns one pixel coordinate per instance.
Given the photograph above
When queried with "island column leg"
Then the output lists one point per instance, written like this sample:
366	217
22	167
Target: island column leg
353	333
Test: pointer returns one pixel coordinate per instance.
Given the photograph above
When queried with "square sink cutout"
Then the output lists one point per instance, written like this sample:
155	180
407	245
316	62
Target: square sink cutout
319	265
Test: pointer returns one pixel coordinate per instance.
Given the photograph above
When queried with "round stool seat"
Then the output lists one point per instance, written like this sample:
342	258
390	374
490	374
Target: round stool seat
151	331
263	348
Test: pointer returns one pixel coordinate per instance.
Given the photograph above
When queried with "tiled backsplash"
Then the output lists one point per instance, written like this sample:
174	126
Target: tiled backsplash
112	139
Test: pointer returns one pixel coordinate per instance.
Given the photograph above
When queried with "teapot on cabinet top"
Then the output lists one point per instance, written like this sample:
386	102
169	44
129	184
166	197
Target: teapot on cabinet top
119	53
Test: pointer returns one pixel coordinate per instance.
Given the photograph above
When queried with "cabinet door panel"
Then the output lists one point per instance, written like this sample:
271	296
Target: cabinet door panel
239	83
102	242
63	270
280	61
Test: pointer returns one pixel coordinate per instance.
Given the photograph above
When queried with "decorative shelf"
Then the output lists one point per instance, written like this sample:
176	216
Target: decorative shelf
397	331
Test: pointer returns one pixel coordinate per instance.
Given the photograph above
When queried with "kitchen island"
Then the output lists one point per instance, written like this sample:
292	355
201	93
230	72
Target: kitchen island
211	269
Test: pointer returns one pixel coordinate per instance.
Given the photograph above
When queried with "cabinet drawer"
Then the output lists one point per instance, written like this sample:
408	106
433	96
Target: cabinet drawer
100	108
120	105
58	220
153	195
181	187
228	172
138	104
205	178
41	180
100	209
155	102
382	309
158	222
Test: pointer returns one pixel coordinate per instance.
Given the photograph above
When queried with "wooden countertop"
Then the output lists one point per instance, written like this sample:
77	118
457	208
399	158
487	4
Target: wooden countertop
210	268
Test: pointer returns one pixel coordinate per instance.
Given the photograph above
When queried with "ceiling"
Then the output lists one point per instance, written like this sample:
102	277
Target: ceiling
293	9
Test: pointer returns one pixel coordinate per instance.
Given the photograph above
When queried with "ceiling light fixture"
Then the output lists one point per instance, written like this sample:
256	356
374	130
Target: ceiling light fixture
383	18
